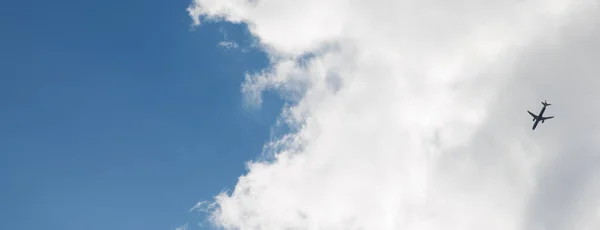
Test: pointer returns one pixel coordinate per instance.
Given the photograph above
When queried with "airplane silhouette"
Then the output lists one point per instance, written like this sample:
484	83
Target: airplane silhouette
538	118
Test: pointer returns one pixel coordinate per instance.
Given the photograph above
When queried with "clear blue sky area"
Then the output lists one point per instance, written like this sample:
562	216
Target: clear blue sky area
116	115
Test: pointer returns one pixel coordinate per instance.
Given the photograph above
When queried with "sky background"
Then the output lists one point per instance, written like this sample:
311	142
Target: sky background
404	115
117	115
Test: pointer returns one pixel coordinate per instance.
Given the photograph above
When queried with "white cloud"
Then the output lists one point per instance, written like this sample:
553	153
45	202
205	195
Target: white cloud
411	115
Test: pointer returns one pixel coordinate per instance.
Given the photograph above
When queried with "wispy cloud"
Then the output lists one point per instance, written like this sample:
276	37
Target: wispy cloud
202	206
228	45
412	115
183	227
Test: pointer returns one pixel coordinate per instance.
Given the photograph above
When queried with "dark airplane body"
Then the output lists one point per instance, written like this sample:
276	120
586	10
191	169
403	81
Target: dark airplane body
540	117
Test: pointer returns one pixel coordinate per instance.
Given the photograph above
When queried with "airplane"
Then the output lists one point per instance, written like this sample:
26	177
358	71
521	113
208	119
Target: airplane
538	118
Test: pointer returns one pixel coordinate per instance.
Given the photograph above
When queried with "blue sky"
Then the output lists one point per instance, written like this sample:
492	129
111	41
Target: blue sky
116	115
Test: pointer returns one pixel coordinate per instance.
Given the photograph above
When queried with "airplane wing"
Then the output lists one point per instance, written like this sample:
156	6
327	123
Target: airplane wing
533	115
546	118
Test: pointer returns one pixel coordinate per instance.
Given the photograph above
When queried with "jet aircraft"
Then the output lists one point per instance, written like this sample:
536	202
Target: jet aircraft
540	117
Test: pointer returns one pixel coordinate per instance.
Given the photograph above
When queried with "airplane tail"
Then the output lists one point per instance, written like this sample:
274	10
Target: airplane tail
545	103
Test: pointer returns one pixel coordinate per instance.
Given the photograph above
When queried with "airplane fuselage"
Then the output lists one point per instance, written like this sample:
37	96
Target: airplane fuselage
540	115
